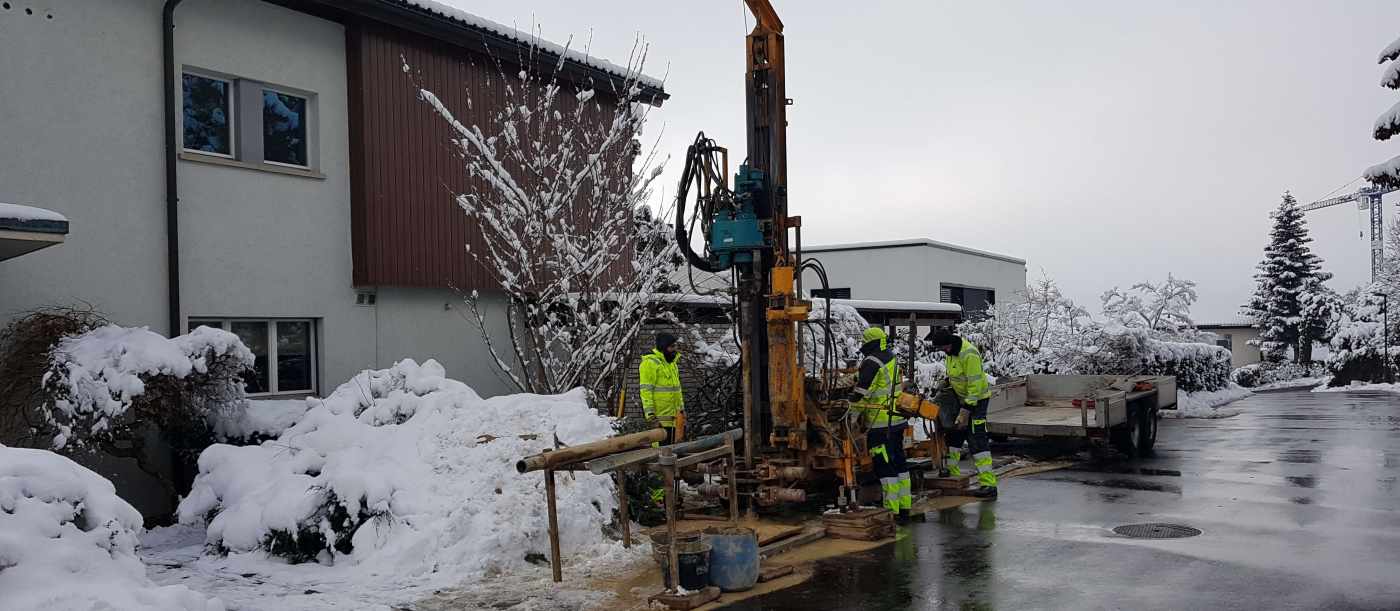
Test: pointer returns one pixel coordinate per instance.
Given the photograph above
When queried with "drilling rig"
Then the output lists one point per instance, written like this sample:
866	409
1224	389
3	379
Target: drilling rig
800	436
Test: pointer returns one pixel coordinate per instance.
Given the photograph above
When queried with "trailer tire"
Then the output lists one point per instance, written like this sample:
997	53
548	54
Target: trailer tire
1147	431
1125	438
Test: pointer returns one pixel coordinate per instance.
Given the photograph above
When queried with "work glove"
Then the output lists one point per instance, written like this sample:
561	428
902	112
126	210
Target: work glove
964	416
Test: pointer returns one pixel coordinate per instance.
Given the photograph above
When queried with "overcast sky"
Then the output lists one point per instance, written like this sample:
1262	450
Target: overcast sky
1104	142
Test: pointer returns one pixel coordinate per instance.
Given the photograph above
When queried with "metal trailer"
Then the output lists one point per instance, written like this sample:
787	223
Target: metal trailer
1122	410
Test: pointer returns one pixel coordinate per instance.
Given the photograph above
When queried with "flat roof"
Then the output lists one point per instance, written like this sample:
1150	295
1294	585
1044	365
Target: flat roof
929	242
1242	324
25	229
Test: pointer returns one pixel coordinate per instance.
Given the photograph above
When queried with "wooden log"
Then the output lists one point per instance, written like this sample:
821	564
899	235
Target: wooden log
579	453
807	536
774	571
869	533
554	561
779	535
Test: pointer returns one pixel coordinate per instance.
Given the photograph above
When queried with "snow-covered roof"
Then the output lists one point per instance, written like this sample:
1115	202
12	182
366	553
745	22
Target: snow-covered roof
910	242
16	212
570	53
1229	324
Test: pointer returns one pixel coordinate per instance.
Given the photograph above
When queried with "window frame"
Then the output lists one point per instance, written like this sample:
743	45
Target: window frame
273	381
231	97
307	122
246	131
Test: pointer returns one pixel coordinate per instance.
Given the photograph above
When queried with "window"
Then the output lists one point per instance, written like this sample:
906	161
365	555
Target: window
284	128
208	115
1226	341
284	352
249	124
974	301
841	293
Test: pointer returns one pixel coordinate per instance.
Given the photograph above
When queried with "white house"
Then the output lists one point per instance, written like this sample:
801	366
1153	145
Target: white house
267	169
918	269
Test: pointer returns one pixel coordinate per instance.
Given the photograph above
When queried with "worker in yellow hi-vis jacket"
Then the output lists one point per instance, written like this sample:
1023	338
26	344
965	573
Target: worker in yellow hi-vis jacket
969	383
663	403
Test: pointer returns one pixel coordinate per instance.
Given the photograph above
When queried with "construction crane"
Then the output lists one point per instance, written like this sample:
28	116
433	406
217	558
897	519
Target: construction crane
1366	198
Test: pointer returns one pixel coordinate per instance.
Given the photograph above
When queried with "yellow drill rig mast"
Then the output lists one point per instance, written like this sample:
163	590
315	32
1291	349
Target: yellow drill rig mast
792	443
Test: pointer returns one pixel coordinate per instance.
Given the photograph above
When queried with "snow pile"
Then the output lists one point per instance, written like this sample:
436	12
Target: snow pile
68	542
29	213
403	474
1360	387
262	419
93	378
531	38
1208	404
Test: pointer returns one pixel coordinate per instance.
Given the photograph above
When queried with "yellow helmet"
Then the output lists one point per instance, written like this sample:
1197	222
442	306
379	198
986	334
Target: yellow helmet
872	334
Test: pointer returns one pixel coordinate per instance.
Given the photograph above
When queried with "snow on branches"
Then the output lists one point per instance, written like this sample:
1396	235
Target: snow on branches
559	188
1388	124
1290	278
1164	310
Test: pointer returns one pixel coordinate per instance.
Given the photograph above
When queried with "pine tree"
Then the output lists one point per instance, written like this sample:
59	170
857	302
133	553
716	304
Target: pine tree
1388	124
1287	276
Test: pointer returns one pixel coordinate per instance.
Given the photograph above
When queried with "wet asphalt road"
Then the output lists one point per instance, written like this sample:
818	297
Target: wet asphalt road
1297	498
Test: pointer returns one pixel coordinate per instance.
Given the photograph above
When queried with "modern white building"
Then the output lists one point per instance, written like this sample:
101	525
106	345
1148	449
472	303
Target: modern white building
268	169
918	269
1235	337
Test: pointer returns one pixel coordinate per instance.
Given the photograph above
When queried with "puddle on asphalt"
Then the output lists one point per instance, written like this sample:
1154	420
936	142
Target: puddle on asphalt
1122	484
1122	469
1302	481
1301	500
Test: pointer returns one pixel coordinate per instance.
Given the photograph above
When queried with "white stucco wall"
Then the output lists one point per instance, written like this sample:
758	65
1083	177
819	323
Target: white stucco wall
80	134
1241	353
914	272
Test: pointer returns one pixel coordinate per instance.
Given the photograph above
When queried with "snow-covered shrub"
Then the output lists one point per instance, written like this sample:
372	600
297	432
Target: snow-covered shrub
112	377
1248	376
1125	351
1164	310
403	471
1263	374
1043	332
25	345
68	542
846	325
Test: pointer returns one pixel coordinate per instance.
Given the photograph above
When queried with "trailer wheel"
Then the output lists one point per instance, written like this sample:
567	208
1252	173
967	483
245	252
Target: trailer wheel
1127	435
1147	430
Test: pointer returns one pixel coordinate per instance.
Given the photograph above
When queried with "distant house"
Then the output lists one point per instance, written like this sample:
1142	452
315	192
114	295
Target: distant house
918	269
1235	337
311	211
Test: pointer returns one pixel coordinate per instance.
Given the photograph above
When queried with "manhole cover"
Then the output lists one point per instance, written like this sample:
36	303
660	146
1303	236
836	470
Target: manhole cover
1156	531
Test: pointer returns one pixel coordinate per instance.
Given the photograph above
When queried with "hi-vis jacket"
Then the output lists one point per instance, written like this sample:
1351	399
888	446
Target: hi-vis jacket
661	388
966	375
878	384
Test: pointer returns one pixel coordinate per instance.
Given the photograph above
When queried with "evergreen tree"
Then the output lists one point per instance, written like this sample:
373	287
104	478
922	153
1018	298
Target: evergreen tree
1388	124
1288	276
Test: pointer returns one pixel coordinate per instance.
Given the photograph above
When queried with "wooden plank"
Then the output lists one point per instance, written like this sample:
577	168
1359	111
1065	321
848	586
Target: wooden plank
779	535
809	535
687	601
870	533
947	483
774	571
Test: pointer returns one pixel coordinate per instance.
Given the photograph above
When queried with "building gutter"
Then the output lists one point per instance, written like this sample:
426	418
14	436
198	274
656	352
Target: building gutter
172	151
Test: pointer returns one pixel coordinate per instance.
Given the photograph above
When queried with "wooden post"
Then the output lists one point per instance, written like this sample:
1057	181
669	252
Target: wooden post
554	561
733	481
667	461
621	477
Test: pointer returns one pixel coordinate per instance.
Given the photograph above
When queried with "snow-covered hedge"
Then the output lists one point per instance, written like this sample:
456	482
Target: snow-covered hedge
1265	374
68	542
403	471
1197	366
95	379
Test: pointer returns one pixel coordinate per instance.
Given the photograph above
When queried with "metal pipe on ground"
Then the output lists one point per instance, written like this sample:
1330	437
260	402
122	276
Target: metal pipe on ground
709	442
582	452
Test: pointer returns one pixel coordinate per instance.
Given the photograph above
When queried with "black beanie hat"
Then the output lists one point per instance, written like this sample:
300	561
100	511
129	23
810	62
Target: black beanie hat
942	337
664	341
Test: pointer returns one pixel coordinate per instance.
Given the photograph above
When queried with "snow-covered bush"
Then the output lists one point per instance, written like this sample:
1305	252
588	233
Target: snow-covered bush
68	542
1125	351
404	471
25	345
1044	332
112	377
1357	350
1164	310
1264	374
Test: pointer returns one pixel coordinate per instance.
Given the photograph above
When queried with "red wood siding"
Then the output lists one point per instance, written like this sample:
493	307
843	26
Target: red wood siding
406	227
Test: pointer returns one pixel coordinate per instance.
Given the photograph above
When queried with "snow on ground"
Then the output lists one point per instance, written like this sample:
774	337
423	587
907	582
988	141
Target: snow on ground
1208	404
430	460
67	541
1290	384
29	213
263	417
1360	387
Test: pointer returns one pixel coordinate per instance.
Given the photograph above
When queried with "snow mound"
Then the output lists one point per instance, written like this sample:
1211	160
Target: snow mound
402	473
1208	404
262	418
68	542
98	374
1361	387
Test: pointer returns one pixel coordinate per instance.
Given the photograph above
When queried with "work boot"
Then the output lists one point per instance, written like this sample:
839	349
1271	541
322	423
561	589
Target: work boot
986	493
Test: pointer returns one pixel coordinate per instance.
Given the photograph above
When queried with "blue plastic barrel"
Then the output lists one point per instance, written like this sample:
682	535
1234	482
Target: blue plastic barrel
733	557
